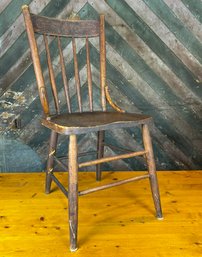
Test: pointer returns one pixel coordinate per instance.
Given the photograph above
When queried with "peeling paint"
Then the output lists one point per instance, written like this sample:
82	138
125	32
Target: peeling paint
12	99
11	104
170	93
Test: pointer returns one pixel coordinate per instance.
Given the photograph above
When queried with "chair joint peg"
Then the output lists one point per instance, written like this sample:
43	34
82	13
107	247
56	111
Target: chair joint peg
51	153
50	171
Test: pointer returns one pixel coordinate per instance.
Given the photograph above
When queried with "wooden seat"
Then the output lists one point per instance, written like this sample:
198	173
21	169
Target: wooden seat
79	123
62	116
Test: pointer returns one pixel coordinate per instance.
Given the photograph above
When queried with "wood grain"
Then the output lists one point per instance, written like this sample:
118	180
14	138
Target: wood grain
116	222
164	68
70	28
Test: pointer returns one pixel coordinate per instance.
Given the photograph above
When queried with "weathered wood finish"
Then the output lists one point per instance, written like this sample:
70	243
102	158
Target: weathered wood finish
36	61
100	153
89	76
72	29
110	101
51	26
64	76
102	62
50	160
119	183
113	158
77	77
59	184
151	64
73	192
75	123
79	123
152	170
52	76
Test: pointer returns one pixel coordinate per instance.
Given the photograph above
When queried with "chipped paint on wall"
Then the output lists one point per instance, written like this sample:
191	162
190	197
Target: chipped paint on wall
154	66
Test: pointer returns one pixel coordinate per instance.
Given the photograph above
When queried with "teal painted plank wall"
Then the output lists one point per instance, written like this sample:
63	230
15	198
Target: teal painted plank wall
153	66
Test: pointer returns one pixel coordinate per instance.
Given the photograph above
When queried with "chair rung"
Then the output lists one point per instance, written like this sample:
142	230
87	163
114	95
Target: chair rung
79	155
112	158
59	184
121	149
65	167
121	182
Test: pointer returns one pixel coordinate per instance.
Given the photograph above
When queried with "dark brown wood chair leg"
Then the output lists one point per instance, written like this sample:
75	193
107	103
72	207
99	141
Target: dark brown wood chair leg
73	192
50	161
100	153
152	170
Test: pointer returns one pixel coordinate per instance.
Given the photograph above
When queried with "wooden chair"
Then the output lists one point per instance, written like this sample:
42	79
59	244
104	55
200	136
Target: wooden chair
74	123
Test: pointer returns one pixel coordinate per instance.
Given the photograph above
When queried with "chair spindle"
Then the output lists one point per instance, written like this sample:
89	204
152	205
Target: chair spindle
64	76
75	124
102	62
89	76
51	75
77	78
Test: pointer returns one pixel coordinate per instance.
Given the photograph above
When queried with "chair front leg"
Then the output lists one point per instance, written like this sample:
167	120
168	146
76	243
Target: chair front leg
100	153
152	170
73	192
50	160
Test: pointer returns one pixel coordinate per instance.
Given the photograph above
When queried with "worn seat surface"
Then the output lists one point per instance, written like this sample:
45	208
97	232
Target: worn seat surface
81	122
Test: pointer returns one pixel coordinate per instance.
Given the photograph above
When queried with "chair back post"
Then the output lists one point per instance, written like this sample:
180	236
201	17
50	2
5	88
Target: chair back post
36	60
47	26
102	61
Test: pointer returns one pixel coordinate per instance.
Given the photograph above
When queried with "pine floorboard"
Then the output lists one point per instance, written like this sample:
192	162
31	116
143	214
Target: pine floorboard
115	222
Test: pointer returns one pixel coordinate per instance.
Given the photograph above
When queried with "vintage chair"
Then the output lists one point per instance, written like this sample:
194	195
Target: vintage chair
74	123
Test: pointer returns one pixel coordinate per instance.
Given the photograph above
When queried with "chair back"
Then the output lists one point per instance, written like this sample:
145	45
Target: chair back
61	38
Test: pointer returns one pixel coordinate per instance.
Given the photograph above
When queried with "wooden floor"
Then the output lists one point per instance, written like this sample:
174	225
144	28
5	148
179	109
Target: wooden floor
116	222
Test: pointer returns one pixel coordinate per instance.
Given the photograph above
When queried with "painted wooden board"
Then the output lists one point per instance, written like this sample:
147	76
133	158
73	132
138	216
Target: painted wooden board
154	67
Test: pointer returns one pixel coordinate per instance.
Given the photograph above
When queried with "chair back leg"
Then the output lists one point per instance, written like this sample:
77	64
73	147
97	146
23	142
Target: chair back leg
73	192
100	153
152	170
50	160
